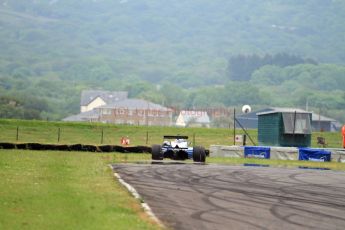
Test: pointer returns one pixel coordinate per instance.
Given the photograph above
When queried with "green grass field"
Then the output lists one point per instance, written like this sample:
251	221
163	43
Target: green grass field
91	133
65	190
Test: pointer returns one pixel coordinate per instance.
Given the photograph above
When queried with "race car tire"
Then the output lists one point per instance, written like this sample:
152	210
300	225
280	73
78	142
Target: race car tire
199	154
157	152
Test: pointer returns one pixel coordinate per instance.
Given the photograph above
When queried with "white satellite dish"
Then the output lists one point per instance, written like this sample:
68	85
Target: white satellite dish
246	109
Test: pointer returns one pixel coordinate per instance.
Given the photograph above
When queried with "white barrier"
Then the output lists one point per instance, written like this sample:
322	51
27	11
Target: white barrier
226	151
277	153
284	153
338	155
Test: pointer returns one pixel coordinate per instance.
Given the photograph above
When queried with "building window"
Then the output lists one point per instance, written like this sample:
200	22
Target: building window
106	111
297	123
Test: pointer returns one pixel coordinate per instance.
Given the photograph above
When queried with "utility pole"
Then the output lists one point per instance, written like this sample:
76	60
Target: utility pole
234	126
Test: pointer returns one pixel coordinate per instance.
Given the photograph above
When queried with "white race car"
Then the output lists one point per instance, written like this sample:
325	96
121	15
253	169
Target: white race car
176	148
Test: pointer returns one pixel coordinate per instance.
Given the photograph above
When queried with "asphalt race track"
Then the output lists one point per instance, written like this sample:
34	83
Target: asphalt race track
191	196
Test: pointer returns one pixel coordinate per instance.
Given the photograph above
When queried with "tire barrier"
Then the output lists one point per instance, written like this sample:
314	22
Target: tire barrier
279	153
77	147
8	146
80	147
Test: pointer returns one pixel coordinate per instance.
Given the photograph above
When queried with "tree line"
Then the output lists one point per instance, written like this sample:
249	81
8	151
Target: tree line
241	67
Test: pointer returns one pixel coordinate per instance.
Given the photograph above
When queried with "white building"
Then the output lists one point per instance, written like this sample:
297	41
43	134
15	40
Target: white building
191	118
91	99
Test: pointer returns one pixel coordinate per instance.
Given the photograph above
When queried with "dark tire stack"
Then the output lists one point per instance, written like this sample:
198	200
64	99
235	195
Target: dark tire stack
157	153
199	154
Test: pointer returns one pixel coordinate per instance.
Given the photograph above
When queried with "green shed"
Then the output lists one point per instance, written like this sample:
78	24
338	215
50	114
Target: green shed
286	127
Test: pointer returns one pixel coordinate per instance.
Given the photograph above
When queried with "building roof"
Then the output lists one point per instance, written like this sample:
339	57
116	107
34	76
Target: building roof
315	116
252	115
318	117
85	116
108	97
282	110
135	104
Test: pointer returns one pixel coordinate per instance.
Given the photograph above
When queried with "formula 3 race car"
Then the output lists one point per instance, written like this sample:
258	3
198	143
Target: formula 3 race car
176	148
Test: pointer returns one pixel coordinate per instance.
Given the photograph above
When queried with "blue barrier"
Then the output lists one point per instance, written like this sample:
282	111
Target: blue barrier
257	152
309	154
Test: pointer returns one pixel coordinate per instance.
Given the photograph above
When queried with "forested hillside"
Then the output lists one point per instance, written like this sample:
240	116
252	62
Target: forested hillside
290	52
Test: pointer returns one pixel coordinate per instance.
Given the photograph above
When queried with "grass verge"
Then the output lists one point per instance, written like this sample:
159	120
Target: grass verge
65	190
22	131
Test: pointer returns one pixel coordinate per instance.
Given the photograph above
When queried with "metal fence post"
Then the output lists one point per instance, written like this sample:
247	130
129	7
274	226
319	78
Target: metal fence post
58	135
147	137
234	126
102	136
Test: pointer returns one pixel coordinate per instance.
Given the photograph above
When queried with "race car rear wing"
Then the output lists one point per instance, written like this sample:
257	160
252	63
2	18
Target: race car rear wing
175	137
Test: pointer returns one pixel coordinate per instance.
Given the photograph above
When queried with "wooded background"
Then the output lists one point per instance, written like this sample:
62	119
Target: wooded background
186	54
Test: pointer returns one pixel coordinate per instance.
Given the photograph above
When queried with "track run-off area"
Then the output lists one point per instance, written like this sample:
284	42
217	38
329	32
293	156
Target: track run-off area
210	196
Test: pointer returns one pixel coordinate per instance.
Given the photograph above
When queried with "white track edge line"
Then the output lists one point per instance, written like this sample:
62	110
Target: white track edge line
136	195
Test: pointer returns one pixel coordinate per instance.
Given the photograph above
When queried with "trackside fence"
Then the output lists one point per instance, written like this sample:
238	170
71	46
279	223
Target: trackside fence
13	131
